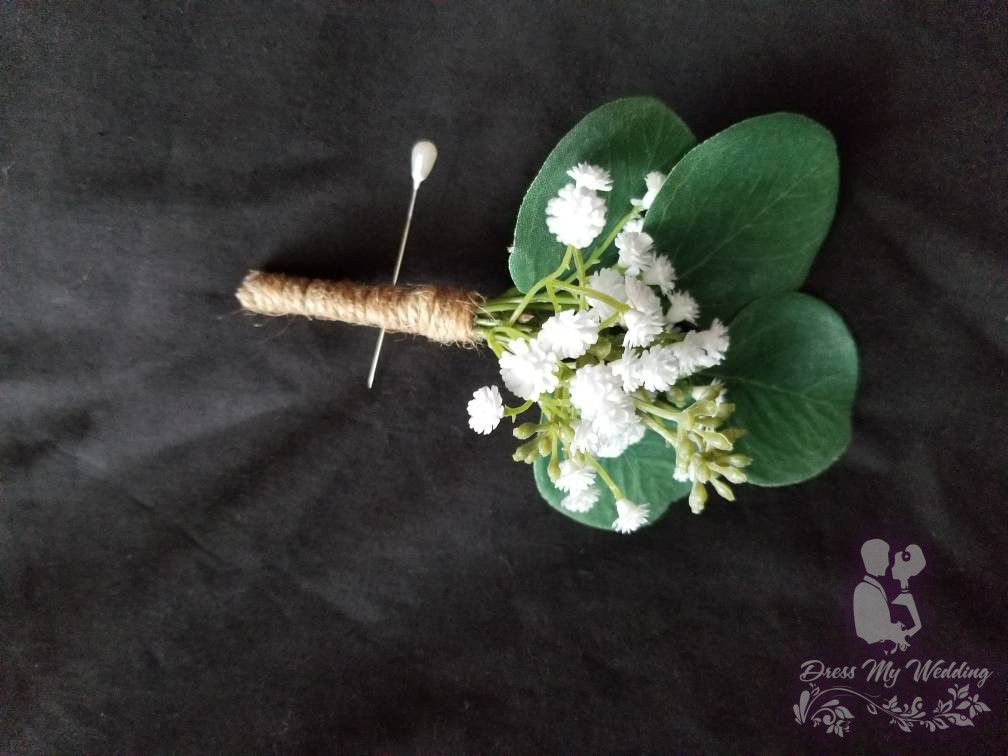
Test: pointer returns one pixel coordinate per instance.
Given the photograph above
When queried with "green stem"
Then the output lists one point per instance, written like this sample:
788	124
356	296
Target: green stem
542	282
658	427
609	321
514	333
668	413
616	492
597	253
515	411
582	280
593	294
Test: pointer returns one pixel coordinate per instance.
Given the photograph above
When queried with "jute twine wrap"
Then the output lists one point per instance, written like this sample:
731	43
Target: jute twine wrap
440	313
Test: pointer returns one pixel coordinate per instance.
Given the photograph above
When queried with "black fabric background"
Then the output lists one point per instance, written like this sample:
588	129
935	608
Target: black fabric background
215	538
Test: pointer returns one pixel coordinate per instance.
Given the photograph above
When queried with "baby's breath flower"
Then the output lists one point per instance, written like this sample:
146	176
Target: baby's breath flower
635	251
575	476
641	297
641	327
660	274
631	516
569	333
634	224
628	368
591	177
576	215
580	501
715	341
682	308
614	438
606	281
659	368
528	370
702	349
653	182
690	353
485	409
584	437
591	387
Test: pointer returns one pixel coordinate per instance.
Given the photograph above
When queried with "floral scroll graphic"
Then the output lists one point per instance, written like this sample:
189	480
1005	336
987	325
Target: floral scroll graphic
823	707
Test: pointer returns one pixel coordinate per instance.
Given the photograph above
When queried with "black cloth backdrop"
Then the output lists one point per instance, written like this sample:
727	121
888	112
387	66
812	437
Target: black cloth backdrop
215	538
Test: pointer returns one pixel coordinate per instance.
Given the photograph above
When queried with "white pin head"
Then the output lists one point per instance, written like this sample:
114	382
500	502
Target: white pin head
424	155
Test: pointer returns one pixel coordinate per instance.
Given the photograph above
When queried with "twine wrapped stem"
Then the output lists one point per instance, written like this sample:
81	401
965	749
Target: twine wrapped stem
440	313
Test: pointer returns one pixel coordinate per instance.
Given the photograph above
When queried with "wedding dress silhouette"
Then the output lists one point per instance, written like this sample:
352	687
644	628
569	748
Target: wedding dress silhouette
908	564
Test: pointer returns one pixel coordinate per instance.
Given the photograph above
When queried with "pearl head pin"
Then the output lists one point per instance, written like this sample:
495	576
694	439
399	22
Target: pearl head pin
421	163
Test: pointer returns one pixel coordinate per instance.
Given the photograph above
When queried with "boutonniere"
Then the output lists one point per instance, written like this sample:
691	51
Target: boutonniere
654	347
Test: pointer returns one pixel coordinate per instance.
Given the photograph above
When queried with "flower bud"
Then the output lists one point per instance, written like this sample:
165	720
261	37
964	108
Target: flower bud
697	498
526	430
723	489
554	469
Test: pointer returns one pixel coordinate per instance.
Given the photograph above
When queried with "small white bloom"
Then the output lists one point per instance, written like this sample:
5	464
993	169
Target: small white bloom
653	182
660	274
528	370
609	422
591	177
715	342
580	501
485	409
635	251
659	368
615	414
690	354
641	297
628	368
584	437
575	476
569	333
634	224
591	387
610	282
702	349
631	516
616	425
619	438
641	327
576	216
682	308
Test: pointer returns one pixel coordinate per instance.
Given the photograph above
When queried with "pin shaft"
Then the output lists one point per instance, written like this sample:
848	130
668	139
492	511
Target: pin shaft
395	280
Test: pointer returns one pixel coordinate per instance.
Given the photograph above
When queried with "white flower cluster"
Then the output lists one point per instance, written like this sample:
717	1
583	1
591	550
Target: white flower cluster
596	351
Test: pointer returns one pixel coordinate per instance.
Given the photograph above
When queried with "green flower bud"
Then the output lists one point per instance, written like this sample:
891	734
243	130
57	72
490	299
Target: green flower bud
716	440
526	430
723	489
697	498
554	469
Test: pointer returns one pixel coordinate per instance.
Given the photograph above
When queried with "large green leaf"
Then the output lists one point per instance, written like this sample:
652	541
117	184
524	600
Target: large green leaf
629	138
743	214
644	474
792	372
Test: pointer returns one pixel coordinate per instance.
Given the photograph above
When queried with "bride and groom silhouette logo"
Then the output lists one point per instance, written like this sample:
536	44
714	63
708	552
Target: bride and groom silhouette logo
873	610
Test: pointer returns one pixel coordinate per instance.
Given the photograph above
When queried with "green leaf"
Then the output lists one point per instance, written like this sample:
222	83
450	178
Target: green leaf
791	371
629	138
644	474
743	214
